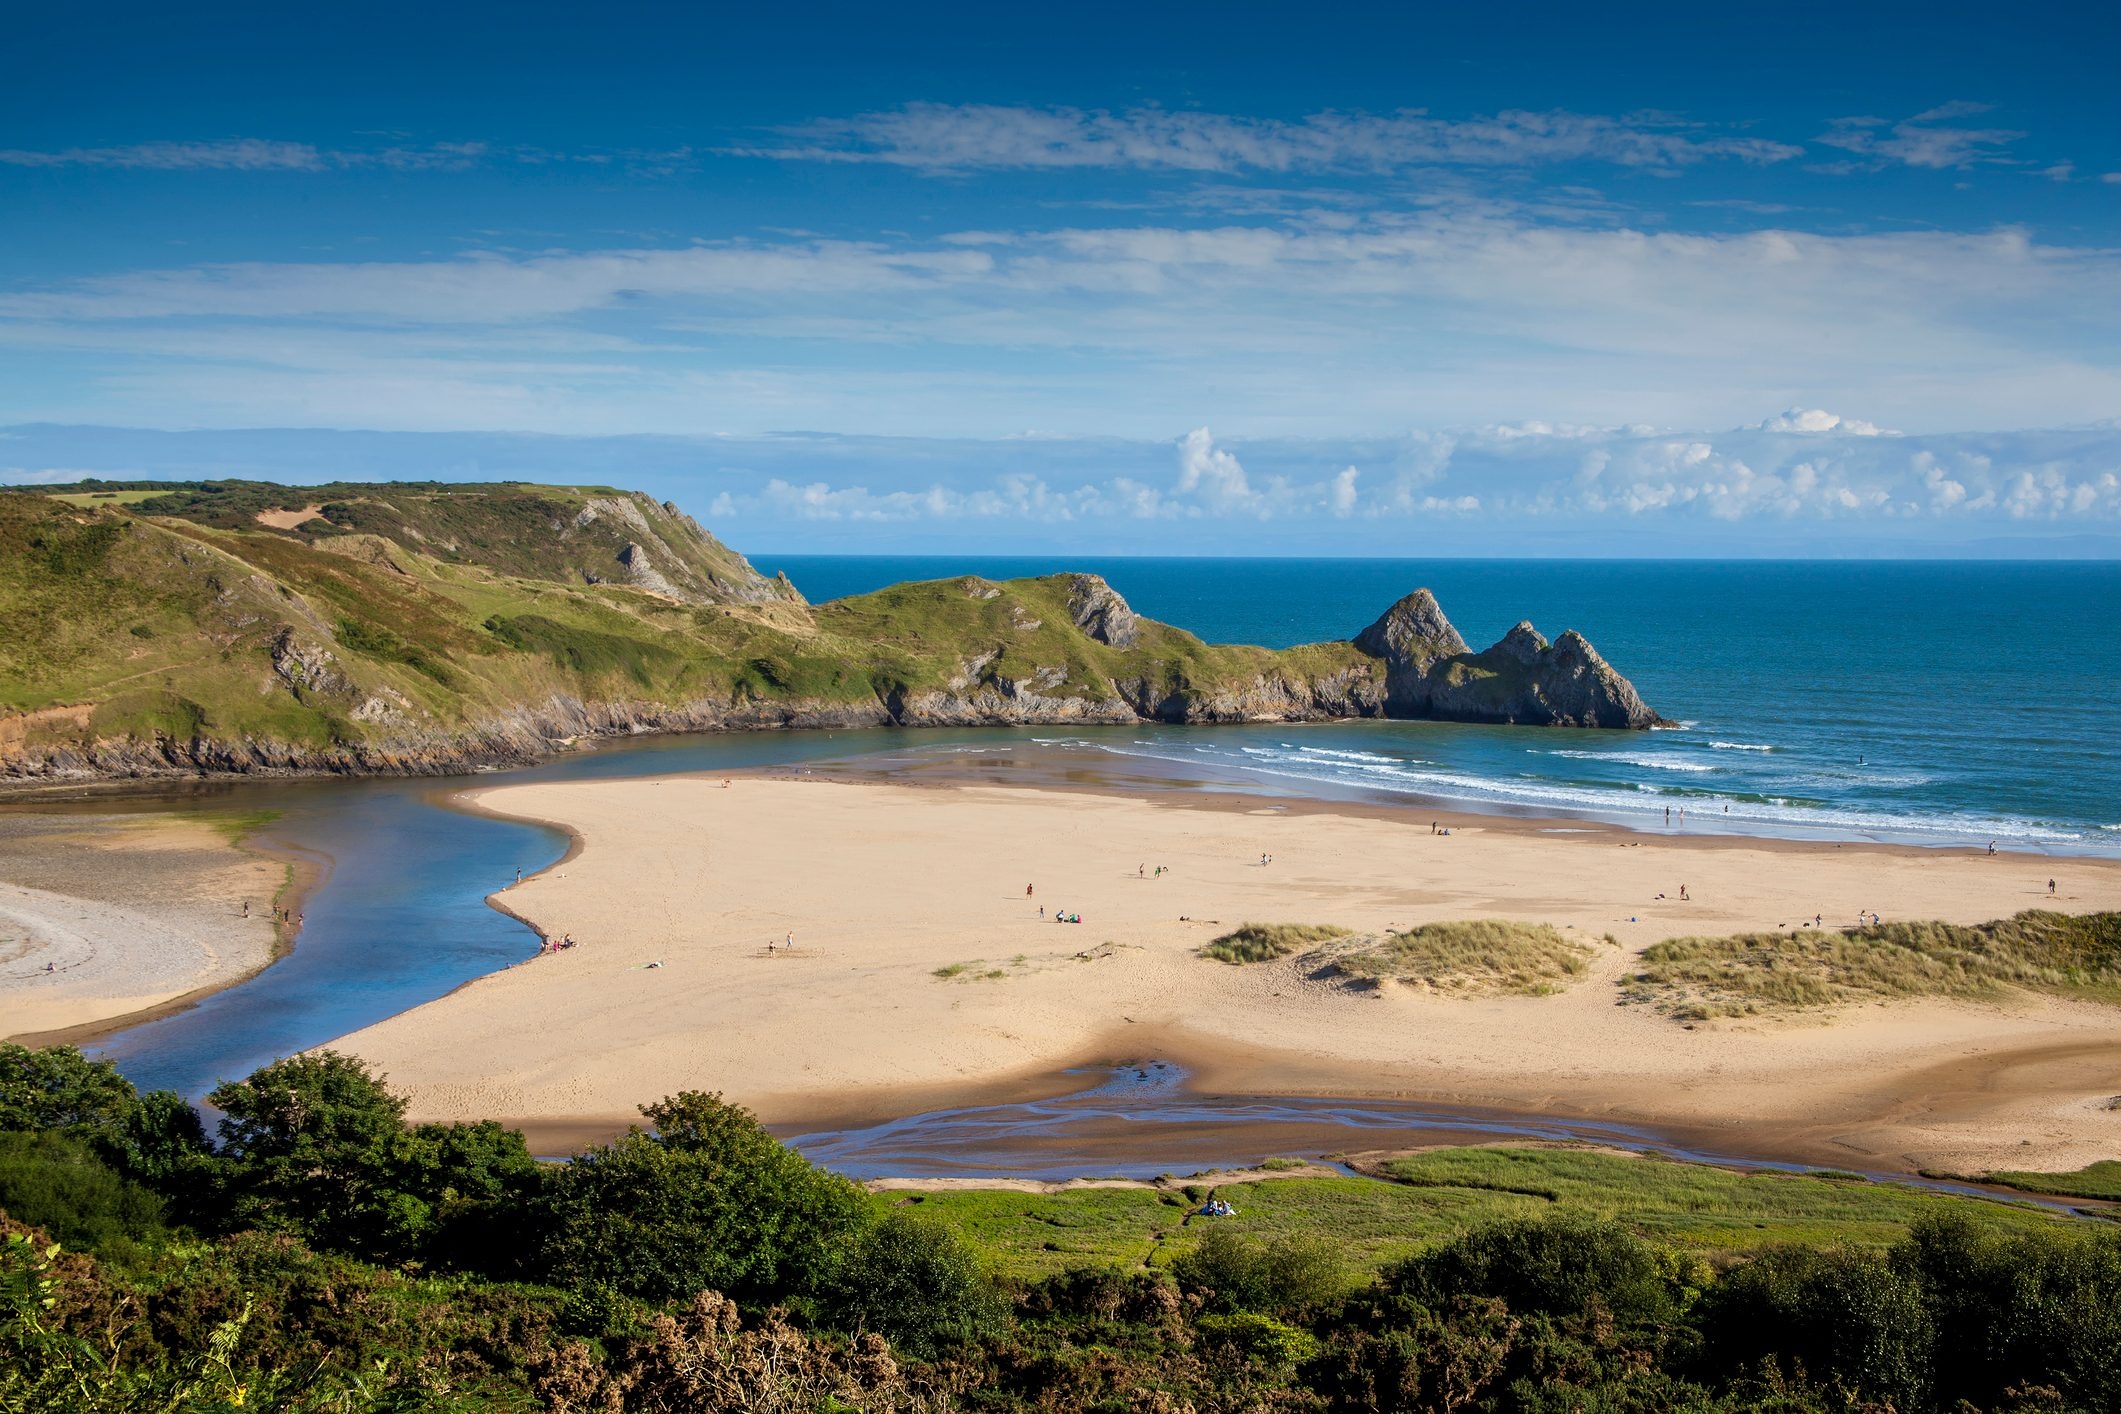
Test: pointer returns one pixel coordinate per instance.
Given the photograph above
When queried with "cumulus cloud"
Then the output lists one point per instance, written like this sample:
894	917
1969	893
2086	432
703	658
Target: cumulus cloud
941	137
1580	487
1212	474
1931	139
1818	420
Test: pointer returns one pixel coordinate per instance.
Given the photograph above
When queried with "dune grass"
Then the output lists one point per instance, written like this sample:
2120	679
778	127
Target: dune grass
1480	955
1751	973
1426	1198
1264	942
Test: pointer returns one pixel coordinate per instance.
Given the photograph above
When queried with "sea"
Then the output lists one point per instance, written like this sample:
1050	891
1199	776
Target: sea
1940	703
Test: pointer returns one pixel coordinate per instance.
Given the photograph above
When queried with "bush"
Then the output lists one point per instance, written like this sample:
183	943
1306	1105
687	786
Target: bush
61	1089
1258	1337
60	1185
1279	1276
1264	942
1840	1319
914	1283
1564	1266
711	1202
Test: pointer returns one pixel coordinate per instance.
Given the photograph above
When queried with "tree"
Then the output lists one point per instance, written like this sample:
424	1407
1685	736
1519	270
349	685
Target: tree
61	1089
711	1201
318	1146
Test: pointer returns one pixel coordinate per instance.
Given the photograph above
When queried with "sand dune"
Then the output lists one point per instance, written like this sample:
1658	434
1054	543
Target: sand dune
885	887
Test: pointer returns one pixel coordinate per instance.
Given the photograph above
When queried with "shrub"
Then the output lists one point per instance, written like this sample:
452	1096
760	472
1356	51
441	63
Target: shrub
710	1202
58	1183
1277	1276
1846	1319
1561	1266
1260	1338
914	1283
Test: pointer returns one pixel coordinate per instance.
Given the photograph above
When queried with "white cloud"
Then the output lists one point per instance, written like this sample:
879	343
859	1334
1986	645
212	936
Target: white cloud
250	155
1817	420
233	154
939	137
1926	140
1341	497
1421	320
1214	475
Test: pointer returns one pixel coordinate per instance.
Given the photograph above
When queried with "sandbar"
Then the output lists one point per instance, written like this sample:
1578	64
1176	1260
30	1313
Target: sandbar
115	916
922	970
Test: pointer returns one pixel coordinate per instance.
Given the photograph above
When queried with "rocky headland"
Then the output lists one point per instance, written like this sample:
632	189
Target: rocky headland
243	628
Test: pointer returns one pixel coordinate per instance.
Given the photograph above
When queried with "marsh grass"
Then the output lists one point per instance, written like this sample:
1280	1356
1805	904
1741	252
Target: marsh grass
2099	1180
1264	942
1480	955
1429	1197
1753	973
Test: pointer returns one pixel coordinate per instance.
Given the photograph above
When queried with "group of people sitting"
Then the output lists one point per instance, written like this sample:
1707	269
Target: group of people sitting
1067	918
565	940
1215	1208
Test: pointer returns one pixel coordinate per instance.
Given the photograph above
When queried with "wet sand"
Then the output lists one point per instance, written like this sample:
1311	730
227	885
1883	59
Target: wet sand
922	975
110	918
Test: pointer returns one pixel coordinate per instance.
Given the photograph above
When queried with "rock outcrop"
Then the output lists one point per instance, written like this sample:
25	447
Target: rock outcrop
1429	672
1096	609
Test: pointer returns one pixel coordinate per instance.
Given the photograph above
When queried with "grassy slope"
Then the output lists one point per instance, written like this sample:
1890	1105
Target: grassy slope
446	608
1434	1195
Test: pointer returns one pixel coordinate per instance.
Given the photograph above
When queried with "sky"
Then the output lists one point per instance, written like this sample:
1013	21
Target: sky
1182	279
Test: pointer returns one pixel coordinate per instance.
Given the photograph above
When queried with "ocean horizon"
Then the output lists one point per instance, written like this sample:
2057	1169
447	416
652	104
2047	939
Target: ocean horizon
1929	702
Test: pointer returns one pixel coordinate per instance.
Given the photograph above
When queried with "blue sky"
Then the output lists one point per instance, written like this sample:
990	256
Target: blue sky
1235	278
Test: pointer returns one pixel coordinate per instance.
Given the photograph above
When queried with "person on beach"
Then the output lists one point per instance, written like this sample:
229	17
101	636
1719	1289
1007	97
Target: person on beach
1027	894
246	908
1141	871
789	942
2050	888
1668	815
1683	894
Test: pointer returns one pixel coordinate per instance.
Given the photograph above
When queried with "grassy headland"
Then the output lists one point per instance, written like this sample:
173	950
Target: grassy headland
408	626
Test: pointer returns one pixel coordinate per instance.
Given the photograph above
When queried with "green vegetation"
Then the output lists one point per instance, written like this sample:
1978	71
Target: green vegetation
2101	1180
326	1256
423	617
1474	955
1264	942
1695	978
1683	1207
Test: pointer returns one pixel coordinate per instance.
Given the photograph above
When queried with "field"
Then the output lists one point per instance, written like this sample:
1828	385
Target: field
1427	1197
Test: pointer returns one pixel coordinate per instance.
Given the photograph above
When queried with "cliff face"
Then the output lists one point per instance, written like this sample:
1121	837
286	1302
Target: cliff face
1430	672
427	641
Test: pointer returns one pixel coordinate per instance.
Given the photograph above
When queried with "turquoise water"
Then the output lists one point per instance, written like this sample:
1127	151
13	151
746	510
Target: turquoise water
1932	703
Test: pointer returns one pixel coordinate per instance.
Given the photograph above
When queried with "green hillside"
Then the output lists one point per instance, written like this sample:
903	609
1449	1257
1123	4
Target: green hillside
420	626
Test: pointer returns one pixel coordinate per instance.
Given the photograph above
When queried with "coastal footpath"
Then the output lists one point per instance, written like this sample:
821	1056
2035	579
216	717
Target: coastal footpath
173	629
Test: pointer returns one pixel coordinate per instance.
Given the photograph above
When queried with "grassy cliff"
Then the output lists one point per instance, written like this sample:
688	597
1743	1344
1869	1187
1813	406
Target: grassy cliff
250	626
152	628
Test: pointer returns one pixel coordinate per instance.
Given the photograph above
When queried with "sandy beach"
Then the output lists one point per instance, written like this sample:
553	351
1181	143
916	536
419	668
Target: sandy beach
104	916
922	972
